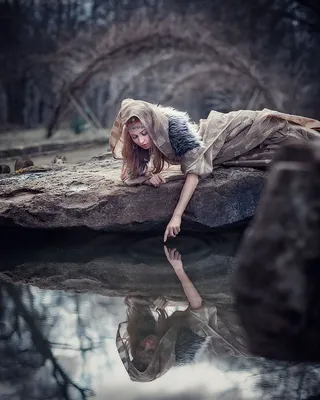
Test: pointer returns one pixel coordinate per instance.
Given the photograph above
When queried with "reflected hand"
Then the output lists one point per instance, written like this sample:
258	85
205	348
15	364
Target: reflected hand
156	180
190	291
174	258
173	228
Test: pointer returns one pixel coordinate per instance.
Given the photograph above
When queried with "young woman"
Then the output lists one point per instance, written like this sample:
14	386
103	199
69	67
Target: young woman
152	340
147	136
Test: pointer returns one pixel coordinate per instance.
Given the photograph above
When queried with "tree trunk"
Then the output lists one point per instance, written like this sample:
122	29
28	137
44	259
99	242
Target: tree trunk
15	91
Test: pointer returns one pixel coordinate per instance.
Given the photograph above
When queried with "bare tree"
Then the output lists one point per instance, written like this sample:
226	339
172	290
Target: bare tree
52	48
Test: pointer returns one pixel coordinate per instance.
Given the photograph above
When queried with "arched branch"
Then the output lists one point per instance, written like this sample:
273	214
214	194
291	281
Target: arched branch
186	37
192	75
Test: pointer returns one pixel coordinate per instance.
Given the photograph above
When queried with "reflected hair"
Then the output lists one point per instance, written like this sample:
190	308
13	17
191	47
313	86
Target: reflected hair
142	323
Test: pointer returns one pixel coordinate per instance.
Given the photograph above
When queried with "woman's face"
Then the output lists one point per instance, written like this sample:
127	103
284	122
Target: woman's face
139	134
146	349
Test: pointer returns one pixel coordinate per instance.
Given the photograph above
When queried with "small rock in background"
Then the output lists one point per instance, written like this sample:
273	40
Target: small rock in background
22	163
59	160
277	280
4	169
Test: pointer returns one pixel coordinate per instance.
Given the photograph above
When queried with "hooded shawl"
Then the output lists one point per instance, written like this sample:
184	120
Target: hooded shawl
238	138
205	322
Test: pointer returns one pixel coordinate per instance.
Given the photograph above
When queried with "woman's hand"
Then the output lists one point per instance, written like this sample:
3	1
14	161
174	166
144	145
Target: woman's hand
173	228
156	180
174	258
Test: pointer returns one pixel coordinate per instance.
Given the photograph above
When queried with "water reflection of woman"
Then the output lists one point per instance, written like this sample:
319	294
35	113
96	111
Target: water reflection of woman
160	333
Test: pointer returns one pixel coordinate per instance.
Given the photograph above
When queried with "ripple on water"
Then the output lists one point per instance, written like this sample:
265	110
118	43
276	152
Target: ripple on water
151	248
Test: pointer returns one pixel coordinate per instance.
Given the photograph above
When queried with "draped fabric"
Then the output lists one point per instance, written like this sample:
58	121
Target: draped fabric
205	333
239	138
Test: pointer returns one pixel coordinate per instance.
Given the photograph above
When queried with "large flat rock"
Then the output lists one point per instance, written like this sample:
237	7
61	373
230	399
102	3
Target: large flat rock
91	195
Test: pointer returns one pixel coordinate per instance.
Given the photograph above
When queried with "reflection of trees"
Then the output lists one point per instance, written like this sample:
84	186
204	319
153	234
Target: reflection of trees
293	381
37	325
25	350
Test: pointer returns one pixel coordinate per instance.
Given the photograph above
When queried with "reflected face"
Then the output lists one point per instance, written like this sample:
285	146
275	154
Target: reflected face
139	134
145	351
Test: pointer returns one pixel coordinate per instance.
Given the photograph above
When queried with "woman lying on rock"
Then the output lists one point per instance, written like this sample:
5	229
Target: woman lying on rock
154	339
147	136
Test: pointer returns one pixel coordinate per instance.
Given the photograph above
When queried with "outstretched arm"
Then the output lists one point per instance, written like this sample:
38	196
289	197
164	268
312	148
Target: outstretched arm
173	228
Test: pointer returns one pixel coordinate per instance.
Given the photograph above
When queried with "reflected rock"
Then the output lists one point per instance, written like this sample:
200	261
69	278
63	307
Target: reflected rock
114	264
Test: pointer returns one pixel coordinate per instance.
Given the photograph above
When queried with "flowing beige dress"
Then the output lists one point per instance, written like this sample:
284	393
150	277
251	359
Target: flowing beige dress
239	138
219	326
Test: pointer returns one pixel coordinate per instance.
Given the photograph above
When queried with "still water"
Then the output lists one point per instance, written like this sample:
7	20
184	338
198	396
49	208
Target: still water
63	297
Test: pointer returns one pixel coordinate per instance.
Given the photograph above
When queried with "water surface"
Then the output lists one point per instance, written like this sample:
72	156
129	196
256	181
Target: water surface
63	296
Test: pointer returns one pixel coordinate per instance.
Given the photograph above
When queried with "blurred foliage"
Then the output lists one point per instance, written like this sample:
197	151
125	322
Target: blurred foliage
46	45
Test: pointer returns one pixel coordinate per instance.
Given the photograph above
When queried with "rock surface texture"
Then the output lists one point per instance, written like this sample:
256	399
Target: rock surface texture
277	279
92	195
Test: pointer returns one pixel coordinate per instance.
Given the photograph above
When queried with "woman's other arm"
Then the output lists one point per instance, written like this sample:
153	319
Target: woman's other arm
173	227
155	180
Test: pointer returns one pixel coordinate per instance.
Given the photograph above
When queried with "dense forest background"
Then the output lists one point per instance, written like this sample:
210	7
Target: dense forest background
63	57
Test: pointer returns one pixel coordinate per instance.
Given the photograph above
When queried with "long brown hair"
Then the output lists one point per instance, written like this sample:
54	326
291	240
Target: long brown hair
136	159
